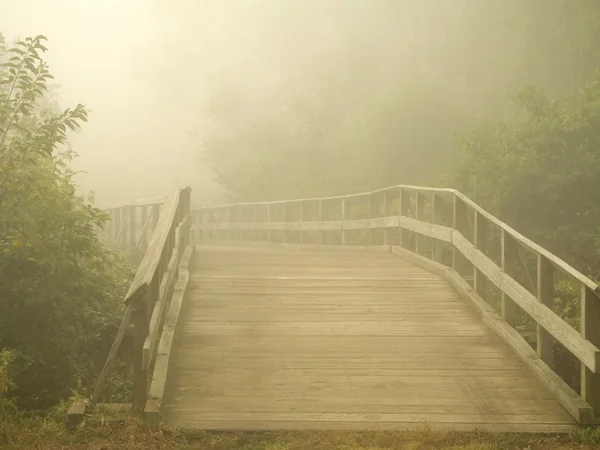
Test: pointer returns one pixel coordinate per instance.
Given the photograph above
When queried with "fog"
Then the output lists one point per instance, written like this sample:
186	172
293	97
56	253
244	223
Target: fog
135	144
163	79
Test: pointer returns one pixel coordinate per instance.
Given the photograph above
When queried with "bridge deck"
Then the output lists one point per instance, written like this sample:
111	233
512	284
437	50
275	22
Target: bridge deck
284	339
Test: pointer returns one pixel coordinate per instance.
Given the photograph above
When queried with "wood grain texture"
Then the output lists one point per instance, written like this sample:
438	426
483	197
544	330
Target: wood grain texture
286	339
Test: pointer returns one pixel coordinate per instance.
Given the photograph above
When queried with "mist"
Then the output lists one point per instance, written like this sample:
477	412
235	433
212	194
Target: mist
169	83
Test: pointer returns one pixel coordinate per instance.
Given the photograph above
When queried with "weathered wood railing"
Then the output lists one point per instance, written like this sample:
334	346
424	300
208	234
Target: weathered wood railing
130	226
509	279
149	298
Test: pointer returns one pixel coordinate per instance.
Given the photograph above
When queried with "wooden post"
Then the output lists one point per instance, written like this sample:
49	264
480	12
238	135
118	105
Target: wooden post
242	221
438	209
112	226
269	232
285	232
459	223
545	294
222	235
370	231
321	220
132	226
480	241
456	213
509	263
343	219
144	232
404	202
140	377
590	330
232	235
254	232
117	219
420	215
186	204
386	213
302	220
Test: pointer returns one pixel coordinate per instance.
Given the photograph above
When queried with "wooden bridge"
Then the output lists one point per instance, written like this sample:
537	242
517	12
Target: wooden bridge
392	309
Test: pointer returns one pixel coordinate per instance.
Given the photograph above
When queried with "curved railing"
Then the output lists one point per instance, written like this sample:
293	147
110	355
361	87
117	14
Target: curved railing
510	279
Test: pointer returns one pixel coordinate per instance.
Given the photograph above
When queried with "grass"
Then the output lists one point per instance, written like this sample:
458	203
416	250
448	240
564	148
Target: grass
131	435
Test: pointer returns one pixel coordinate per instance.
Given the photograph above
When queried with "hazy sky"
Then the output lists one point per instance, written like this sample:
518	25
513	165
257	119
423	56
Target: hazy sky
133	146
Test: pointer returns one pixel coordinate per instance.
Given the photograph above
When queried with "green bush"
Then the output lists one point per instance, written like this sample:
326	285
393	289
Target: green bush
60	289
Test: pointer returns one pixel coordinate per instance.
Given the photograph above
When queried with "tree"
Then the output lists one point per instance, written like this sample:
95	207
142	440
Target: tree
540	171
60	289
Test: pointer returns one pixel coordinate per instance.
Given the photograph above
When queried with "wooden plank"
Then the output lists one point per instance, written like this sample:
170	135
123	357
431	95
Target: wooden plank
260	343
160	373
160	307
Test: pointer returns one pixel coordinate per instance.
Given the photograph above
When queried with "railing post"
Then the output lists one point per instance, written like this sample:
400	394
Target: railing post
186	204
371	231
301	220
140	377
386	213
255	233
242	222
132	226
343	220
144	232
404	208
456	211
460	225
117	220
420	215
112	233
545	294
590	330
321	220
438	210
269	232
480	241
509	262
232	234
285	231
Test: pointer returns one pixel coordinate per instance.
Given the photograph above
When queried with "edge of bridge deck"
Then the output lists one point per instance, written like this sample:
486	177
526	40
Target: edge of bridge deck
577	408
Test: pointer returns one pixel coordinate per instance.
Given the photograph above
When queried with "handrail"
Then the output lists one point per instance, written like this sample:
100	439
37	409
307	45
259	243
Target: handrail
433	223
433	190
149	294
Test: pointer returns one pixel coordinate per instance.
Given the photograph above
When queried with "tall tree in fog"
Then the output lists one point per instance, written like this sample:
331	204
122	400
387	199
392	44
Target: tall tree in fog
323	97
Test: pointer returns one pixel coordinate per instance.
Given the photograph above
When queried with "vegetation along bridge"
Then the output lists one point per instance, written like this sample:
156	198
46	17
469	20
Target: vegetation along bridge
382	310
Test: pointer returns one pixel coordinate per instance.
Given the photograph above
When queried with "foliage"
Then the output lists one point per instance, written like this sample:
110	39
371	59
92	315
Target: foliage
309	149
60	289
540	171
7	404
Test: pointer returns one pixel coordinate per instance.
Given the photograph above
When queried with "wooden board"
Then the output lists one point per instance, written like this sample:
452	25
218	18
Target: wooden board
285	339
